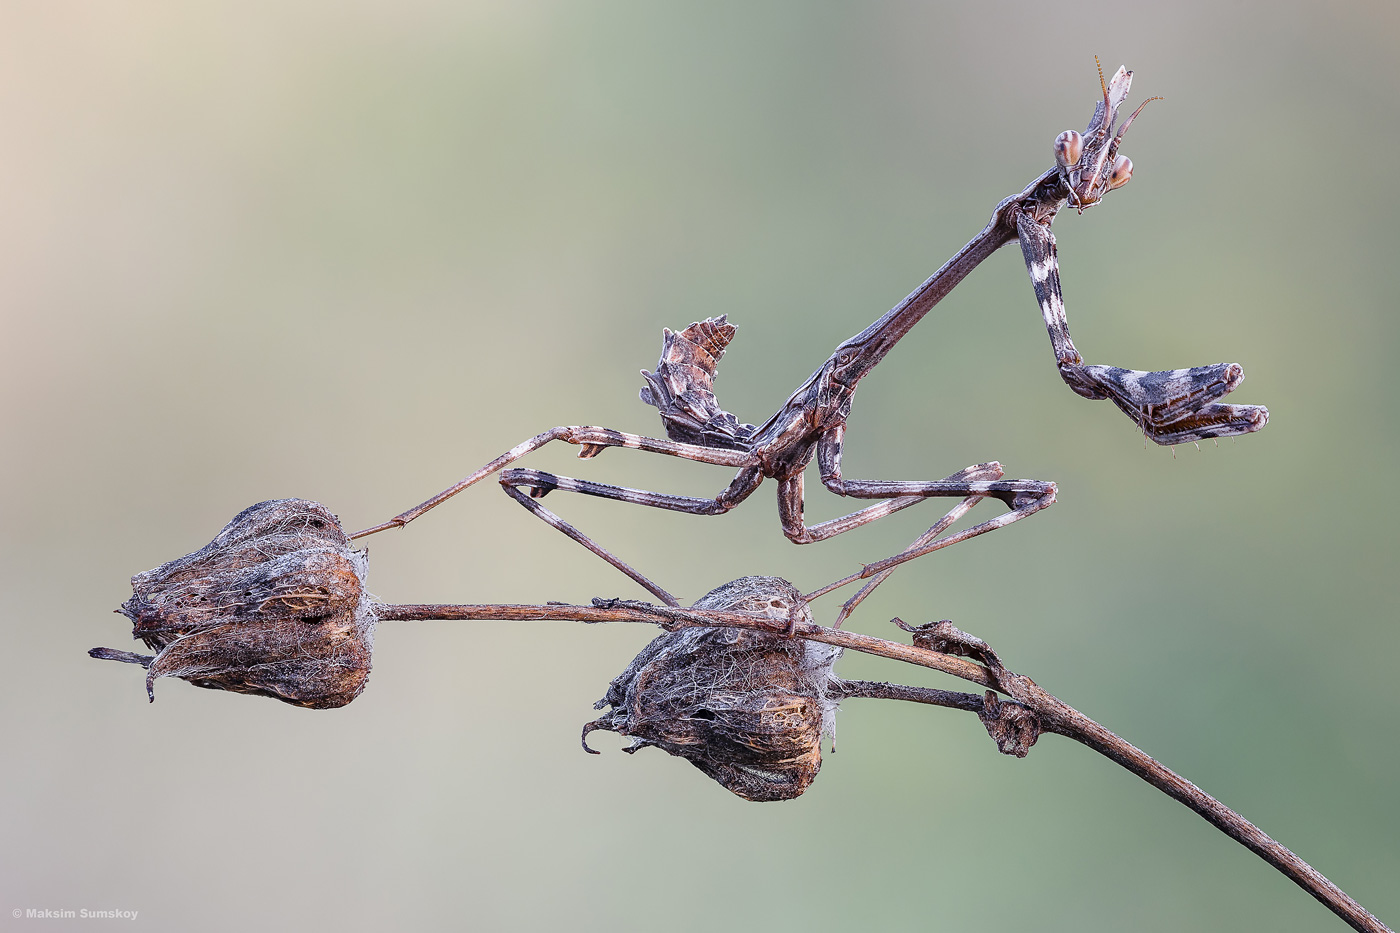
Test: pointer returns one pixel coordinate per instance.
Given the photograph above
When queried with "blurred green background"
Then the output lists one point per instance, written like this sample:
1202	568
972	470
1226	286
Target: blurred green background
350	251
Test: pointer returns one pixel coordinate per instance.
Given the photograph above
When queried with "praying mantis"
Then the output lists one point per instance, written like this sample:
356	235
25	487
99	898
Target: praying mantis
1170	407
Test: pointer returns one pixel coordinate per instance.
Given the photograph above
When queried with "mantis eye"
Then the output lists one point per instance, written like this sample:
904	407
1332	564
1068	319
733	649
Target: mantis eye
1122	171
1068	147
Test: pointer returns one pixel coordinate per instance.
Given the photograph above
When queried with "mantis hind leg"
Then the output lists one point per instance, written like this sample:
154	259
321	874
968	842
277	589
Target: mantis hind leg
527	486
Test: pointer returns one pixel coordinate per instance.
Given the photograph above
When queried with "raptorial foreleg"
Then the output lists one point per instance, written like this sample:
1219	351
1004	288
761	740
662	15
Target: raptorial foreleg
1171	406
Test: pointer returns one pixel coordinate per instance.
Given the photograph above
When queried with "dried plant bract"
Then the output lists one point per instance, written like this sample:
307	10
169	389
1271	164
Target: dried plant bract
274	606
747	708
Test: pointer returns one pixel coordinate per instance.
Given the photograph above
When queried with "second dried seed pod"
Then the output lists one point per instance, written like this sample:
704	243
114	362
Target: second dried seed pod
747	708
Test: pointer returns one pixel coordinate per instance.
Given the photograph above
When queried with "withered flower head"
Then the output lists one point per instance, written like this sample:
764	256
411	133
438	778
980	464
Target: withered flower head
747	708
274	606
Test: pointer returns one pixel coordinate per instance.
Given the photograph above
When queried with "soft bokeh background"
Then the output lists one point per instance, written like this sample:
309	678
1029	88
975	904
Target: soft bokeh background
349	251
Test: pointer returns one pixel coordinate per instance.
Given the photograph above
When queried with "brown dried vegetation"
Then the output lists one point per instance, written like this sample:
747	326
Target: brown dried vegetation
274	606
747	708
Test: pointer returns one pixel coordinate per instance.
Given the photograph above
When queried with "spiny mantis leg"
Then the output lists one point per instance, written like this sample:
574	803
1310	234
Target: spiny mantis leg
829	459
790	506
1171	406
981	479
899	495
943	524
1038	247
592	439
975	483
555	521
540	484
1001	521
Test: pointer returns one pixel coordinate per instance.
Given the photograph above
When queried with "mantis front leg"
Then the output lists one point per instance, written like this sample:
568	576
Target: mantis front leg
1171	406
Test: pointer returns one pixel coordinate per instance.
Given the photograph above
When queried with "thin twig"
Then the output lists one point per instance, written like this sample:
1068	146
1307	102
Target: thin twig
1054	715
879	690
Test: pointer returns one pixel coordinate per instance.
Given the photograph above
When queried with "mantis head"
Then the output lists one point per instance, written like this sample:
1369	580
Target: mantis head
1089	162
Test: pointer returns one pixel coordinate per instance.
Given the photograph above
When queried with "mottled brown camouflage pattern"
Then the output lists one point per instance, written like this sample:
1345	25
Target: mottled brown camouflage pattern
682	387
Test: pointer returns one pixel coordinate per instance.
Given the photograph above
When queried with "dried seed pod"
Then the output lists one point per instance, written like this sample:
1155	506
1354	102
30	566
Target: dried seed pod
747	708
274	606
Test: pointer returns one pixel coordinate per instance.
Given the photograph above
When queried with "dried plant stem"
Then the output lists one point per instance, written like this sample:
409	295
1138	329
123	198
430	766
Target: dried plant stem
879	690
1053	715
